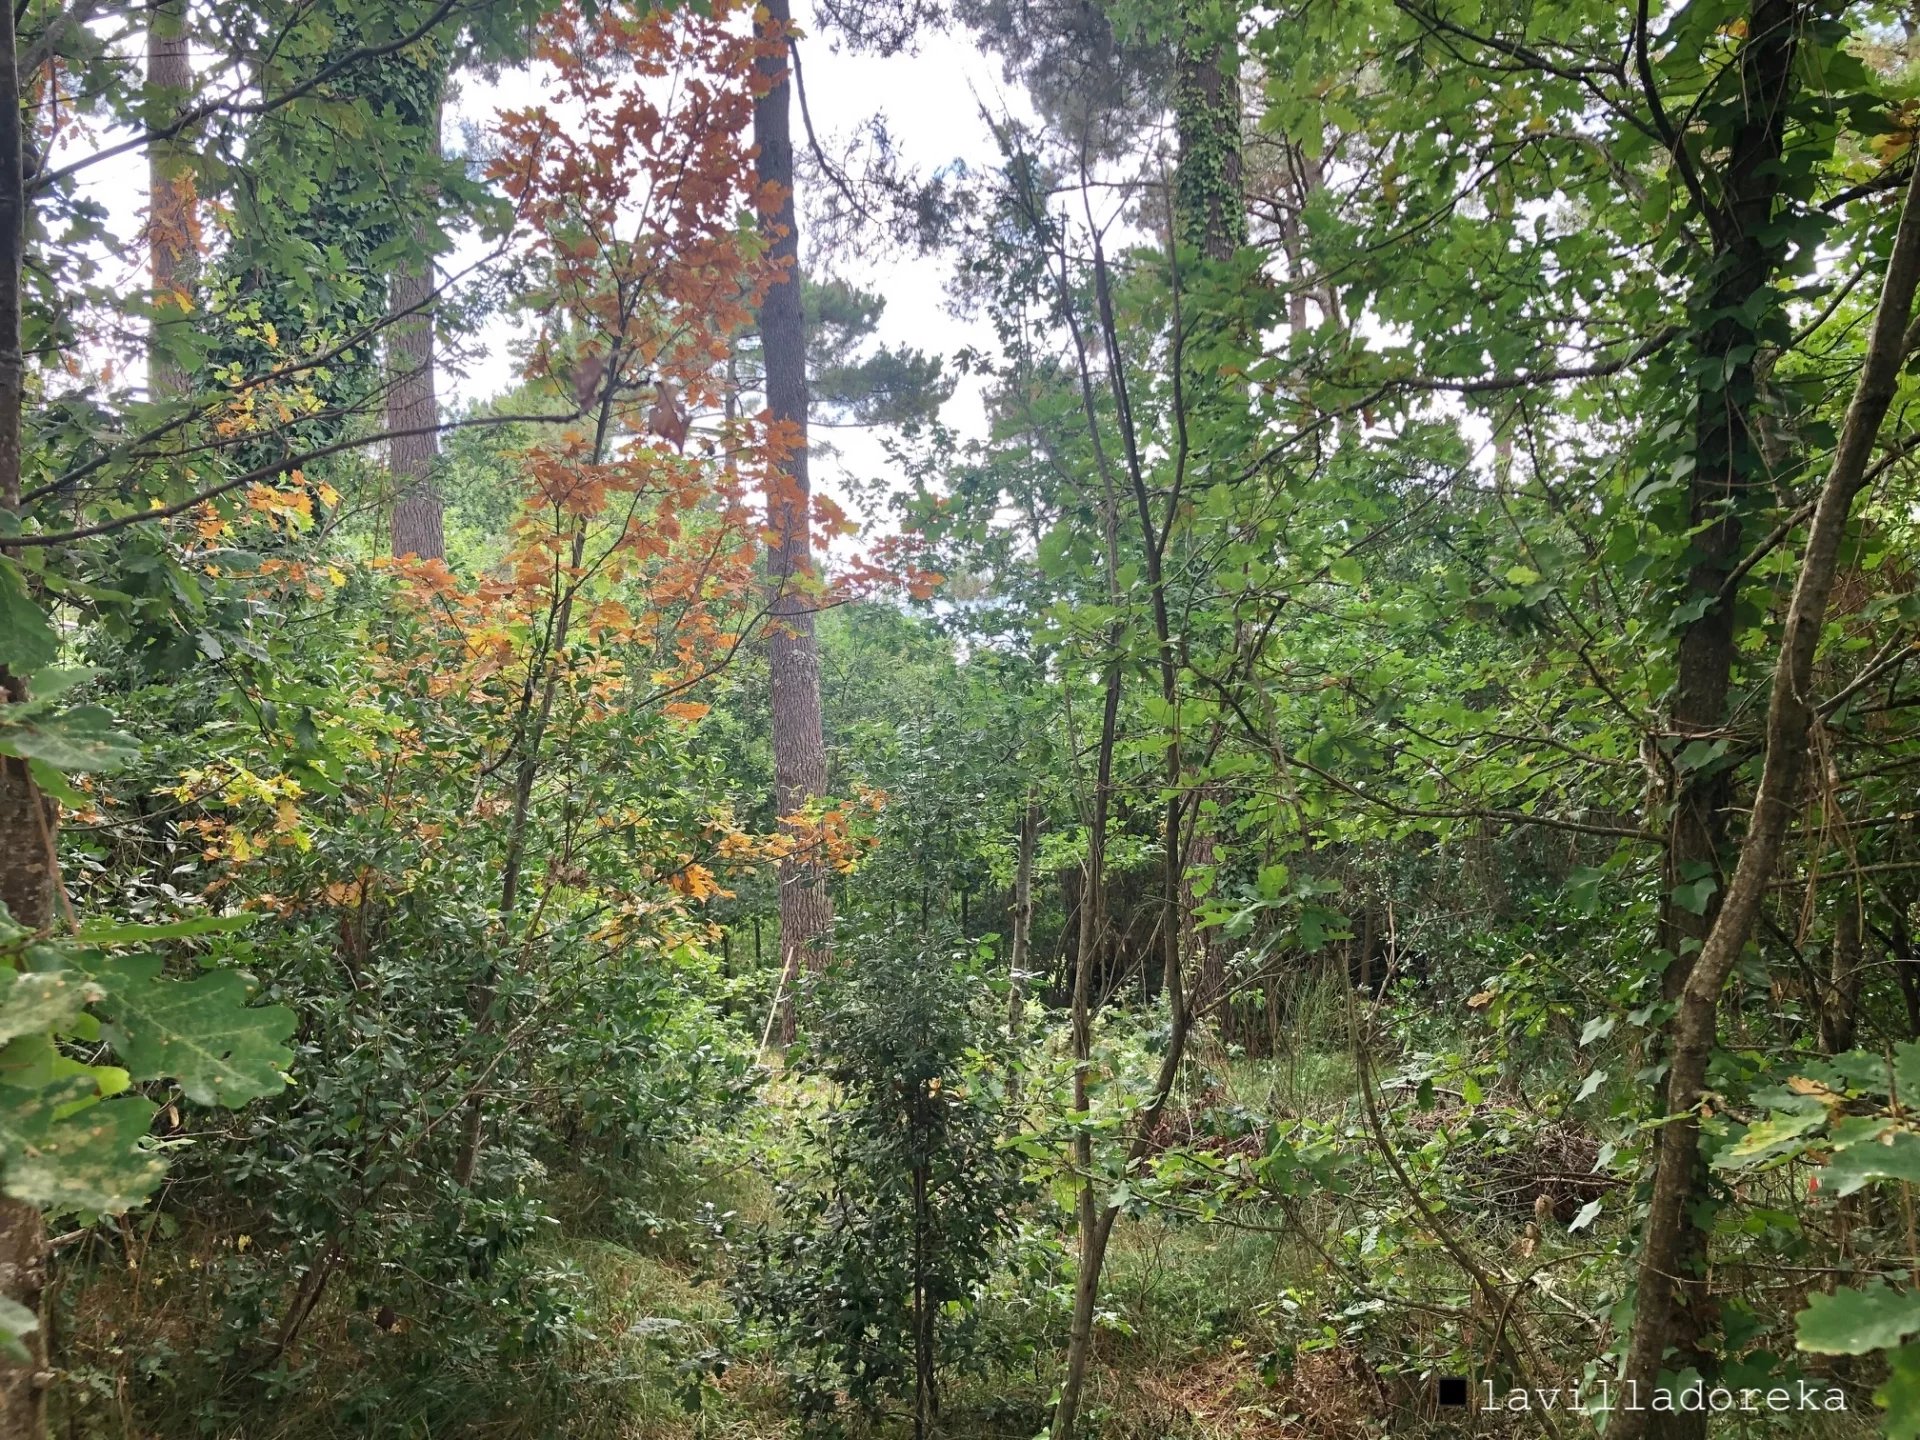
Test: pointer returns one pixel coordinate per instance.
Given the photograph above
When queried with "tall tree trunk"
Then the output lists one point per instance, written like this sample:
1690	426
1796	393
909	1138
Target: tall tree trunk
1022	915
799	743
1093	1223
27	817
1729	472
413	455
1209	214
1789	720
172	251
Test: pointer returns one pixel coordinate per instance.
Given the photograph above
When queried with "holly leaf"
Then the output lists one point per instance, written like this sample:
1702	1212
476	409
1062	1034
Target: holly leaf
61	1151
199	1033
1858	1321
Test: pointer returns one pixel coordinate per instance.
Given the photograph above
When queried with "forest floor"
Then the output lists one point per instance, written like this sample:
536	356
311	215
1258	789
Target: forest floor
1201	1334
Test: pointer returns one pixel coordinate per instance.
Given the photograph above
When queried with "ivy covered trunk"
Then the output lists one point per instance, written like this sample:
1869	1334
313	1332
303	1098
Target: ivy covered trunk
799	742
1729	482
1209	202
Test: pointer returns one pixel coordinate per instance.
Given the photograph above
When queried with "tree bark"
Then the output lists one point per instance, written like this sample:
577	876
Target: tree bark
1840	1004
413	454
172	253
799	742
1022	915
27	817
1789	719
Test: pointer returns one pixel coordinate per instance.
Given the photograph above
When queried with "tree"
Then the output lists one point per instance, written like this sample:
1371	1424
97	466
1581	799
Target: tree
413	414
799	745
172	225
899	1215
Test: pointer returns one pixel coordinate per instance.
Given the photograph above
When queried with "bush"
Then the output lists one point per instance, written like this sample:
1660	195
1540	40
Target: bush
905	1198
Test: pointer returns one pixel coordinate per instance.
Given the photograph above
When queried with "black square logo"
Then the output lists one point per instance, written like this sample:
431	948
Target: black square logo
1452	1391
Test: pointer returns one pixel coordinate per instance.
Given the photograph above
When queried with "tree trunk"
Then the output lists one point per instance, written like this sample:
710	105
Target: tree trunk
799	744
1729	470
1210	985
1209	201
1093	1224
1789	719
413	454
924	1401
172	252
1022	916
27	818
1840	1004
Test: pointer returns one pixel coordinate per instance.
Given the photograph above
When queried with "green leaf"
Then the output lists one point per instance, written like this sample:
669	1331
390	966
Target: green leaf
1895	1158
1859	1321
1589	1213
16	1323
78	739
53	783
1693	897
115	932
1906	1069
200	1033
42	1001
1900	1396
1773	1136
27	641
61	1153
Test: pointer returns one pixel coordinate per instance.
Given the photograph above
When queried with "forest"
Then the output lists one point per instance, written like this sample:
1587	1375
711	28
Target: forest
959	719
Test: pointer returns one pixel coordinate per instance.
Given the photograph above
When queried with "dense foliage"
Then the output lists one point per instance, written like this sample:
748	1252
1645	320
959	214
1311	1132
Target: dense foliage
1347	853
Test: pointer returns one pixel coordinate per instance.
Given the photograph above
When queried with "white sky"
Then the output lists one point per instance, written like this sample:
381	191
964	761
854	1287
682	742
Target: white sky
932	103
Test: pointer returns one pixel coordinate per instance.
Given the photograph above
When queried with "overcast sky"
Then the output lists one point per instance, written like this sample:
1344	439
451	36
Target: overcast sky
932	103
